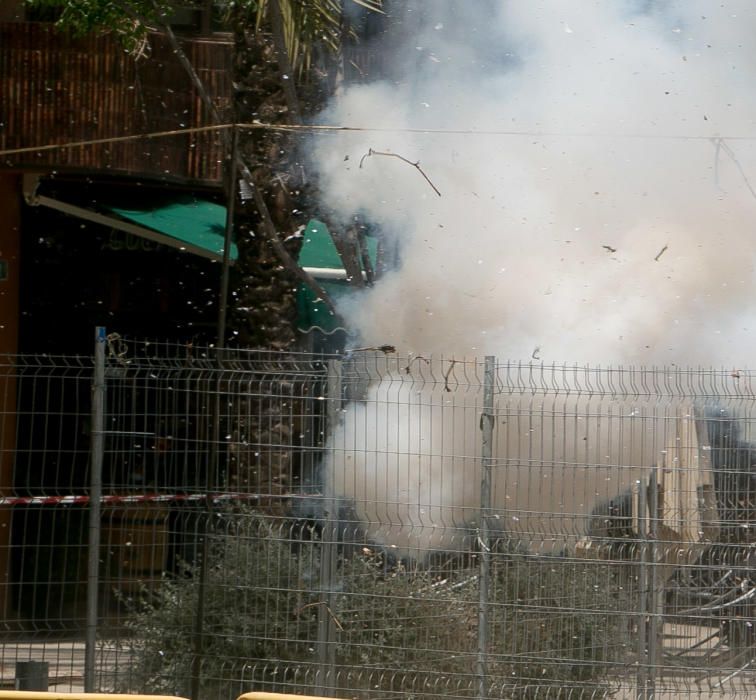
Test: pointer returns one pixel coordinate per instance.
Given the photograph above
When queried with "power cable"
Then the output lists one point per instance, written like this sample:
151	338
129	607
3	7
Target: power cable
326	128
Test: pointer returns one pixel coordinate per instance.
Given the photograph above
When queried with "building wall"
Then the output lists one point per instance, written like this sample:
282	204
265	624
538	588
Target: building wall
56	89
12	11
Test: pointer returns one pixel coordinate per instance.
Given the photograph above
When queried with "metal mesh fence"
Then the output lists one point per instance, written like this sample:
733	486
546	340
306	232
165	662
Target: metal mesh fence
374	526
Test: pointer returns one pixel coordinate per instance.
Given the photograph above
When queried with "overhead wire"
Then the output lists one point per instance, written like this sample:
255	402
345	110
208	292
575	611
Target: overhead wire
345	128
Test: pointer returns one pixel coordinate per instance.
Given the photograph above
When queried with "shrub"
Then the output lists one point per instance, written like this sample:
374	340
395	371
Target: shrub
256	622
553	624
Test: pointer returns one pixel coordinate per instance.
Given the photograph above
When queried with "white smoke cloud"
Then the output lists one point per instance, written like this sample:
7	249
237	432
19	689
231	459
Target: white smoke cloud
589	209
589	227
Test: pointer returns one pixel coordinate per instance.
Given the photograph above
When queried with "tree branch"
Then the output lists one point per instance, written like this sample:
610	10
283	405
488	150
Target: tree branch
199	86
268	227
269	231
347	246
416	164
367	263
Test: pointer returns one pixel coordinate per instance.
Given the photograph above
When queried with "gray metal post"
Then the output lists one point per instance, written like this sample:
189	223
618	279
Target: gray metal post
641	676
227	239
654	589
486	424
195	674
326	676
644	679
95	496
32	675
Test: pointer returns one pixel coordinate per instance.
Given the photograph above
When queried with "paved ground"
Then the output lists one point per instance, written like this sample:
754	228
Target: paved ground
65	659
697	665
704	672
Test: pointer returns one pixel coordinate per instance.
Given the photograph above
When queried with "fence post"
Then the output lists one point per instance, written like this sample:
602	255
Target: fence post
95	496
206	526
325	685
227	237
656	585
647	623
486	425
641	678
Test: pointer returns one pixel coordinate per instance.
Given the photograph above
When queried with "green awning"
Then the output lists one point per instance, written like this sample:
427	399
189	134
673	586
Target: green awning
313	313
318	256
319	253
318	249
198	224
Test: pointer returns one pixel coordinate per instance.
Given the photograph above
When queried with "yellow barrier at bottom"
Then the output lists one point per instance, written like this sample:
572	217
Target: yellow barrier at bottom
279	696
56	695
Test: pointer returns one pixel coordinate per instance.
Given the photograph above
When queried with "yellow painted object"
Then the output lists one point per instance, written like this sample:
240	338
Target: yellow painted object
56	695
279	696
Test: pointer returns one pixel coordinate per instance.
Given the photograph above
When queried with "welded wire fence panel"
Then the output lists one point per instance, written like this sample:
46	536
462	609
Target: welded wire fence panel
647	474
44	469
612	492
259	613
375	526
202	444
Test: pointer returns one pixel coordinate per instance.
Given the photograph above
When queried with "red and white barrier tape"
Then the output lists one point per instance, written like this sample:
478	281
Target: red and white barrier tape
72	500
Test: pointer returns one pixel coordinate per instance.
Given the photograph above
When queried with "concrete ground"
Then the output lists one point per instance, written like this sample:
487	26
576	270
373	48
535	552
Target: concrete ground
694	666
65	659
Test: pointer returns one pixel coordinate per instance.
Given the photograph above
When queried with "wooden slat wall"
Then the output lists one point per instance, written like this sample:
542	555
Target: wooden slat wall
57	89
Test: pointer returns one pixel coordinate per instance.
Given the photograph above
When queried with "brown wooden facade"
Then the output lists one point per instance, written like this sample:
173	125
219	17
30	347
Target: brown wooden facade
60	89
57	89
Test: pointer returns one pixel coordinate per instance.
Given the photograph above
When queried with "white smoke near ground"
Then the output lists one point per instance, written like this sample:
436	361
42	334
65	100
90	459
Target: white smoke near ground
595	208
593	229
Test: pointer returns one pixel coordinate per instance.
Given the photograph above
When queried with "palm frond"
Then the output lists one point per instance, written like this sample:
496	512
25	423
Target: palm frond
311	23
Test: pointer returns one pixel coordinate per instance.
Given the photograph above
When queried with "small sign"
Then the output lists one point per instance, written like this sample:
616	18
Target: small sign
3	270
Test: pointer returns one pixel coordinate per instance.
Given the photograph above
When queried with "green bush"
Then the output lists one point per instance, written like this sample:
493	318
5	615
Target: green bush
554	627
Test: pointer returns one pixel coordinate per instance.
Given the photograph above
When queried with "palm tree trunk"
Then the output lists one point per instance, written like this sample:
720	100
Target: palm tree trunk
267	228
284	64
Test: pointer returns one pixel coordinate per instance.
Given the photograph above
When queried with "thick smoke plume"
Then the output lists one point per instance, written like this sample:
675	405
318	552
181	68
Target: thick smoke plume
596	201
594	162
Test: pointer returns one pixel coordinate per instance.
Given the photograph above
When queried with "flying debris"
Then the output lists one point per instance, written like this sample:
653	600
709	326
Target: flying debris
245	191
385	349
